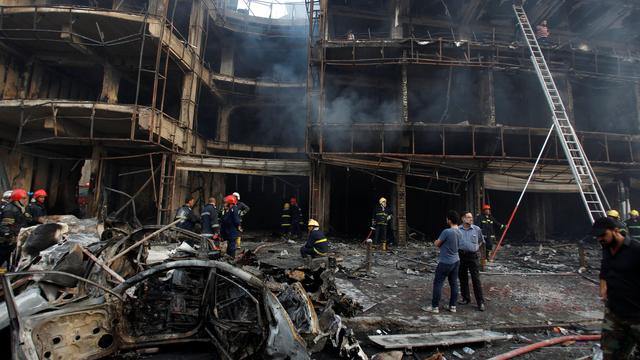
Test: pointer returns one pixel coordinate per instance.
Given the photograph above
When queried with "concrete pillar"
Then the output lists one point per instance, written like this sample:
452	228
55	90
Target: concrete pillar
95	188
226	60
401	209
158	7
637	93
110	84
487	98
404	95
566	92
536	215
396	25
320	185
624	201
190	80
224	113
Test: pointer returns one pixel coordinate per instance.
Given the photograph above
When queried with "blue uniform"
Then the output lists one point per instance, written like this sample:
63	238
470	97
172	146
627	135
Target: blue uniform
317	245
229	228
210	222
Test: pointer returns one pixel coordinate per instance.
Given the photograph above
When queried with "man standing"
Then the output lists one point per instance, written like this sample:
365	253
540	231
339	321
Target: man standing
14	218
448	263
36	207
379	221
285	221
317	244
489	227
186	215
229	224
468	251
243	209
296	218
210	221
633	224
619	289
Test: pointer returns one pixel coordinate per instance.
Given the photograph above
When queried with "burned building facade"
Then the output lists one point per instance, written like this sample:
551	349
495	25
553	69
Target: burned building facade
431	104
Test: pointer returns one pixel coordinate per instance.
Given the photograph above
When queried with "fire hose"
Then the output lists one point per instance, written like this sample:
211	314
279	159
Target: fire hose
559	340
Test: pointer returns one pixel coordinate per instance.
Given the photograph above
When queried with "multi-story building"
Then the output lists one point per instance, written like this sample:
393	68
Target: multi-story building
433	104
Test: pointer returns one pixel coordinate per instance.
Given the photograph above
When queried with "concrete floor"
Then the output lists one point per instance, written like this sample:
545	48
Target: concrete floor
528	289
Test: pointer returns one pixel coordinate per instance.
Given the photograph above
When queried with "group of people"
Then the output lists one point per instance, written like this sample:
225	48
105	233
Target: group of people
16	212
291	219
630	226
216	224
459	246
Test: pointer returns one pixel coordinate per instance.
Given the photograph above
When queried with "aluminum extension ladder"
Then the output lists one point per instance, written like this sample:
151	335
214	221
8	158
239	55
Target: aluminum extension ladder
592	195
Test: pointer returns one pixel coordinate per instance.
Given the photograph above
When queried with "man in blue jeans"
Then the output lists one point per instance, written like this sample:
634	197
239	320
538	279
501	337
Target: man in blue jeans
448	263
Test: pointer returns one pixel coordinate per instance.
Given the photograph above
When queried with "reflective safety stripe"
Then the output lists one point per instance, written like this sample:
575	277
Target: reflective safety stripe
205	213
286	216
285	224
381	213
321	241
319	252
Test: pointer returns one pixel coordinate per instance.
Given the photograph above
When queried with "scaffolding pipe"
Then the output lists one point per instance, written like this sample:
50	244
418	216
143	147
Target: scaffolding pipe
526	185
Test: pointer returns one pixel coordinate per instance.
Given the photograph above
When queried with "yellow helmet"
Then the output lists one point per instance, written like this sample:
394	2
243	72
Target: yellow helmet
313	223
382	201
634	213
613	213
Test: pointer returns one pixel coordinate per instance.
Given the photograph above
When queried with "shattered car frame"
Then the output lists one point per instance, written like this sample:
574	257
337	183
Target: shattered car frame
237	313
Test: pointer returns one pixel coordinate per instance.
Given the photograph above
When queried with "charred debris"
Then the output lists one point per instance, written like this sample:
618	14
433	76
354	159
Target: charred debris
78	293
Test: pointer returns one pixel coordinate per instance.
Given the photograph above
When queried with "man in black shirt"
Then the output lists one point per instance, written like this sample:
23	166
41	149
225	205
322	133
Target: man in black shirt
619	289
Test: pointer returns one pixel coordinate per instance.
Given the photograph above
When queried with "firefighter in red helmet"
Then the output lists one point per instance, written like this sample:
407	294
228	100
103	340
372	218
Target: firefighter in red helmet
14	218
489	225
36	207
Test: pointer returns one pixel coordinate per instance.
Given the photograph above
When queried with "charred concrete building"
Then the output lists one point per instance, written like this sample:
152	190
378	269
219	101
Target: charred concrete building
433	104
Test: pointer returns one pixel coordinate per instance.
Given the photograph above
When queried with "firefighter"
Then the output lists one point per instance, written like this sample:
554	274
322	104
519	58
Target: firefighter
379	221
489	225
36	207
210	221
285	221
14	218
615	216
633	224
186	215
243	209
6	199
317	244
297	222
230	223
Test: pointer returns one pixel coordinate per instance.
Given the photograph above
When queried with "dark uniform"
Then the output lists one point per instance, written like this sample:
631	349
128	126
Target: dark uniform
621	326
489	227
317	245
229	228
297	223
381	216
285	221
36	210
14	218
189	219
633	226
243	209
210	221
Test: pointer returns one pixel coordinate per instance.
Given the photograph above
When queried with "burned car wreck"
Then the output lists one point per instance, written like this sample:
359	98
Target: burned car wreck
91	297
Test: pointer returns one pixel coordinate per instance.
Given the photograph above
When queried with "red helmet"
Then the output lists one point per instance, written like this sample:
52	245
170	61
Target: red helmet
18	194
230	199
294	201
39	192
486	207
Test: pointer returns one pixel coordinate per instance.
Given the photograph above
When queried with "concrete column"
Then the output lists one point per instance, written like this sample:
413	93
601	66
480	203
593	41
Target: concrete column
95	189
536	215
226	60
624	201
566	92
487	98
110	84
404	95
396	25
320	185
224	113
401	209
190	80
158	7
637	93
